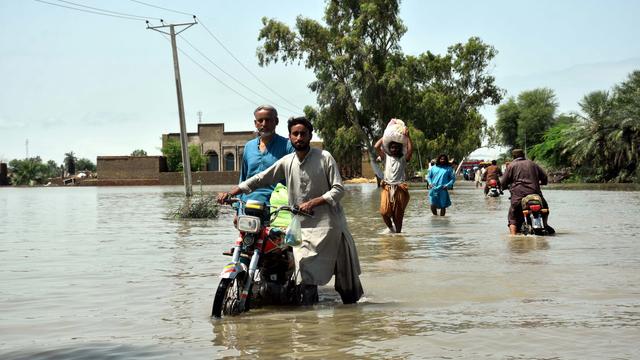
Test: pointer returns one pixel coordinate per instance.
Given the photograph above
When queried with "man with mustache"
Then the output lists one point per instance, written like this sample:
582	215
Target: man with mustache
315	186
263	151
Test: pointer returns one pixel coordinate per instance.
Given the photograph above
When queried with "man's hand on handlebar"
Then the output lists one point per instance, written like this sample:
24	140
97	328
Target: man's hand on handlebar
222	197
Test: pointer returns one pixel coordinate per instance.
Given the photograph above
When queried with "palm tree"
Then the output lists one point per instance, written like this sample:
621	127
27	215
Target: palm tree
70	162
587	141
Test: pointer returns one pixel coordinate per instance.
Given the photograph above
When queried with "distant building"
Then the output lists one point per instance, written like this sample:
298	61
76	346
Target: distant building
223	149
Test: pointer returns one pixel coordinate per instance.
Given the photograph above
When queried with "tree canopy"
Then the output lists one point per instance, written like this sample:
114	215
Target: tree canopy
363	79
172	151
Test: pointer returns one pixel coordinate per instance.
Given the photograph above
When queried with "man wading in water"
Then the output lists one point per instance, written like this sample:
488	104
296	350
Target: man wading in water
315	186
394	197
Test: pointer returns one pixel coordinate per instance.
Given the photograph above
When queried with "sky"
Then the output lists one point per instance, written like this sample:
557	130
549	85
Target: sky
103	85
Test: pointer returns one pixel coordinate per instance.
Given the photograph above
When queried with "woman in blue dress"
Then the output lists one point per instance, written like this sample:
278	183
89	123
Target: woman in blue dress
441	178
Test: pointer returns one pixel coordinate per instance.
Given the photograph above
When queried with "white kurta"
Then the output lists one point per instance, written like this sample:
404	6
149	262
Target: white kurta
327	246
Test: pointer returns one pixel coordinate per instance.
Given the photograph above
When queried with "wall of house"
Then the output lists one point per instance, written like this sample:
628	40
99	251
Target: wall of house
130	167
206	178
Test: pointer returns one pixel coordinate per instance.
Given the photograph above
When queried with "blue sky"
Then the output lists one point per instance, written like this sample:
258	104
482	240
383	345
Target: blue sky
99	85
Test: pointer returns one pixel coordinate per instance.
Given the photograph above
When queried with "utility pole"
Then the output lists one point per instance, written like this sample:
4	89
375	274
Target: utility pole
26	145
186	164
199	117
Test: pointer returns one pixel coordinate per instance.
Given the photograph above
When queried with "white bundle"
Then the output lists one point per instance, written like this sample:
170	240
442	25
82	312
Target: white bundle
395	131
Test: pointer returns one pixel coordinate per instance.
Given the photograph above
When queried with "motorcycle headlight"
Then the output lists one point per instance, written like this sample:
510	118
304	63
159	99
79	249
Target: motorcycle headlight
249	223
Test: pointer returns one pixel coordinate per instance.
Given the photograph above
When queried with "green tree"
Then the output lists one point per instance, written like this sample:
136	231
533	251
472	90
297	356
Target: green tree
537	114
363	79
138	152
70	162
28	171
522	123
196	159
554	151
587	140
625	137
172	151
52	169
85	164
507	116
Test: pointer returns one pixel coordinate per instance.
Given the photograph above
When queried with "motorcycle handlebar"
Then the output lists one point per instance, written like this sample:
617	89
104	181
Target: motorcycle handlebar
294	210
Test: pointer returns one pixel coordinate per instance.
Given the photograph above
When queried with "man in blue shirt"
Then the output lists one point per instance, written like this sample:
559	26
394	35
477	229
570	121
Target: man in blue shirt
263	151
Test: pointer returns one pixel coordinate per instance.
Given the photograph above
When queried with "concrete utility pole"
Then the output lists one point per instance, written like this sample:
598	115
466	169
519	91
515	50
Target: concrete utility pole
186	164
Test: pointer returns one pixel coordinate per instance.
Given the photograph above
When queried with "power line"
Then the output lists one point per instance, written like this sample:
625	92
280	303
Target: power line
162	8
235	79
226	49
89	11
215	77
244	67
109	11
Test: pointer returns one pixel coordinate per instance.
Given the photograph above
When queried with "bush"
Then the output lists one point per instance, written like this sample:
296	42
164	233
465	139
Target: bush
202	207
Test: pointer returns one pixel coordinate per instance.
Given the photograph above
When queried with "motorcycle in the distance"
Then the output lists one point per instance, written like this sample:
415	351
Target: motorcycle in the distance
262	269
492	188
533	211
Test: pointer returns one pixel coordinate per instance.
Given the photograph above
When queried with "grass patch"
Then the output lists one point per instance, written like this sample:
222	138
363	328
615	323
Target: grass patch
201	207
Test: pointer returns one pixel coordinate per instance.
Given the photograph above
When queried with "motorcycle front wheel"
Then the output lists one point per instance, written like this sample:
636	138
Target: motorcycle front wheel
227	298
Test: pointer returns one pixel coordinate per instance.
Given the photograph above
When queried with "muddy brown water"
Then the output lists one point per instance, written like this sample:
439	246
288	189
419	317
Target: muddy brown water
103	273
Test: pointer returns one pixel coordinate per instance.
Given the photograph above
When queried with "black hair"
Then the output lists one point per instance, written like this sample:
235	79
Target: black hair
299	120
446	159
493	162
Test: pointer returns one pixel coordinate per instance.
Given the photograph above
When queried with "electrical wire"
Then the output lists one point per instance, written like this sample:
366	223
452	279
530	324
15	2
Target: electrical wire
162	8
235	79
89	11
226	49
108	11
245	67
254	103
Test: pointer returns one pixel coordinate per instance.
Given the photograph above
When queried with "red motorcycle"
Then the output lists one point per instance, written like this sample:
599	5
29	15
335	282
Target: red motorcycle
492	189
262	269
533	211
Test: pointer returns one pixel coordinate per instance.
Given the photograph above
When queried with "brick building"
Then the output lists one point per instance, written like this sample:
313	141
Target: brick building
223	149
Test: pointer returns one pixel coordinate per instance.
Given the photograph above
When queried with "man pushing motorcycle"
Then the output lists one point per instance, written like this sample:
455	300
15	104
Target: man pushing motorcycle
523	177
315	186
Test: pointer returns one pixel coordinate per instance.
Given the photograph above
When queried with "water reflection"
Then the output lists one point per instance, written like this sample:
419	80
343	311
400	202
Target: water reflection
523	244
318	332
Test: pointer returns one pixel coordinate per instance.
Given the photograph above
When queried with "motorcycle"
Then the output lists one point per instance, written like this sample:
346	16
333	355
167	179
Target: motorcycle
262	269
533	211
492	188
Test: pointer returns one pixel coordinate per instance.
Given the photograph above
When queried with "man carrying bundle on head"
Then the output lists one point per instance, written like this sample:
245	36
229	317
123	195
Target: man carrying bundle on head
396	148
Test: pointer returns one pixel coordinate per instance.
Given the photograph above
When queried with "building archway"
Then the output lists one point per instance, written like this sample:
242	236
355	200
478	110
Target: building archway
213	162
229	162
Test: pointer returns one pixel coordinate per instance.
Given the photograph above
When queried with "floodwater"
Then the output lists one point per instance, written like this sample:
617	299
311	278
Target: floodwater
103	273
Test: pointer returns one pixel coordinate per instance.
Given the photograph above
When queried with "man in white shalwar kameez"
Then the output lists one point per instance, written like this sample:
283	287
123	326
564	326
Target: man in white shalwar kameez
315	186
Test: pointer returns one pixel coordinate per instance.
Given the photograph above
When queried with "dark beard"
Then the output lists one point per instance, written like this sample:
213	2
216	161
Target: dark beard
302	148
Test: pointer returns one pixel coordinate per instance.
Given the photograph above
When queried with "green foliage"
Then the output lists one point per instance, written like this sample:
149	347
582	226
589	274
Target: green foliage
70	162
363	79
85	164
196	159
138	152
537	114
32	171
508	115
202	207
172	151
553	151
601	143
523	122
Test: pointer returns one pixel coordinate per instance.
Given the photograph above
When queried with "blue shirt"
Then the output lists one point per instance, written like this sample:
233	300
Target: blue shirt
254	161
